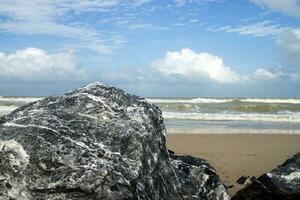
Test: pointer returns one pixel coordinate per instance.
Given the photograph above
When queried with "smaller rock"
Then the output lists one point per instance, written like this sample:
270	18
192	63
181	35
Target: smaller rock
229	186
282	183
199	179
171	152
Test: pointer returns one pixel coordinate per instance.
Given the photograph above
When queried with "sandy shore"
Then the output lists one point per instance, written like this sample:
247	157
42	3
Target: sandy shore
237	154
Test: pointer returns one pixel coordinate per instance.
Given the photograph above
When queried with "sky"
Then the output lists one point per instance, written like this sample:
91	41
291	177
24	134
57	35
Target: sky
181	48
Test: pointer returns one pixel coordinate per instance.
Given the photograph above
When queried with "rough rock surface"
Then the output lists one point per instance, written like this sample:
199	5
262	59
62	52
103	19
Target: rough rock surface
246	180
282	183
199	180
96	142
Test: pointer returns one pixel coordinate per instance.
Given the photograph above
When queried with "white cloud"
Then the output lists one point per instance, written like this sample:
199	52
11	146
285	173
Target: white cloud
194	65
36	64
289	43
184	2
139	26
260	29
289	7
266	74
49	17
277	74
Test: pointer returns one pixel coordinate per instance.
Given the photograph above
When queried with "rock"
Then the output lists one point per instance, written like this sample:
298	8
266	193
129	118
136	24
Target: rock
199	180
246	180
282	183
229	186
97	142
171	152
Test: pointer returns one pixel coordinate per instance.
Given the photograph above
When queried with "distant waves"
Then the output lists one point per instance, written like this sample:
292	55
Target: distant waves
222	100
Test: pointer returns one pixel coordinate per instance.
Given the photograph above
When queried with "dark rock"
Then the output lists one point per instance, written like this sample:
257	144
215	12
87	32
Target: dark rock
242	180
282	183
171	152
199	180
229	186
246	180
96	142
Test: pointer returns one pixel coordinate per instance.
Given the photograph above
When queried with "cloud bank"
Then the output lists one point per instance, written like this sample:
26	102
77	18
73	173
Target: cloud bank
33	64
194	65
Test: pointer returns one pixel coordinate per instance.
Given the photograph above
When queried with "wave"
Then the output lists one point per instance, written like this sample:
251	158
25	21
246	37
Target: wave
221	130
282	101
195	100
223	100
295	117
6	109
266	108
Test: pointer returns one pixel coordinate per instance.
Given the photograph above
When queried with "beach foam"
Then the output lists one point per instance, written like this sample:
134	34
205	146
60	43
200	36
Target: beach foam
234	117
223	100
19	99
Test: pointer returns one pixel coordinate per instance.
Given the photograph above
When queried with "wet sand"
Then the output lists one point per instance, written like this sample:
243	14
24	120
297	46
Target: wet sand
235	155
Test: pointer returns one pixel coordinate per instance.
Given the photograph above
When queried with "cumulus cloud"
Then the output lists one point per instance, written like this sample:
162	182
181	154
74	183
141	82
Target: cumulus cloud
36	64
194	65
266	74
276	74
289	7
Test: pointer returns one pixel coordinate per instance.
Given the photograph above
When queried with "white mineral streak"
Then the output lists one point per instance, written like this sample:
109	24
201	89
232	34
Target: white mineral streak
29	125
292	176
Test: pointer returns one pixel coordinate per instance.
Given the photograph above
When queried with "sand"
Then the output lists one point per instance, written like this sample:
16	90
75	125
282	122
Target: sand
235	155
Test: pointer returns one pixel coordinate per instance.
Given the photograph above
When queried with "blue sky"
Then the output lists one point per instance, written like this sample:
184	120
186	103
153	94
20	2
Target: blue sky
212	48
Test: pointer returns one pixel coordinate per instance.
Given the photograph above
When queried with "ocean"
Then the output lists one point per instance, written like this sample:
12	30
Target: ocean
213	115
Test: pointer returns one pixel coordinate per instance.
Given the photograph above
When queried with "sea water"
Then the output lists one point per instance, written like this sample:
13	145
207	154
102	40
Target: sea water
213	115
230	115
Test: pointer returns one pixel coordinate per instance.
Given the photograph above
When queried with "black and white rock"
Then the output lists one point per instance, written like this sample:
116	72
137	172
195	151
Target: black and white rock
198	179
282	183
96	142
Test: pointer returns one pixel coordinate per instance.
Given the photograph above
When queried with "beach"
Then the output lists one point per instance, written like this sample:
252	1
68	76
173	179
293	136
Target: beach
234	155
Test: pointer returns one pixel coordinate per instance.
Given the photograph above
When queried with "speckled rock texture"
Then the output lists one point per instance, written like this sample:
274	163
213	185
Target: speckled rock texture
282	183
96	142
198	178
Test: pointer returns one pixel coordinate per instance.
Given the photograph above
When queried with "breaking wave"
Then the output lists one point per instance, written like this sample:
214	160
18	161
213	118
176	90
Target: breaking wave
284	117
19	99
266	108
223	100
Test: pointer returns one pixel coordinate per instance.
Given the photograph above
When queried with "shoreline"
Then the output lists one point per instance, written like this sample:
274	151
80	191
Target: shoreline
235	155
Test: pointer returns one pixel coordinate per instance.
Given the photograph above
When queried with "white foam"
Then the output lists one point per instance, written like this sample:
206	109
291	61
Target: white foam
223	100
227	130
6	109
233	116
287	101
19	99
196	100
